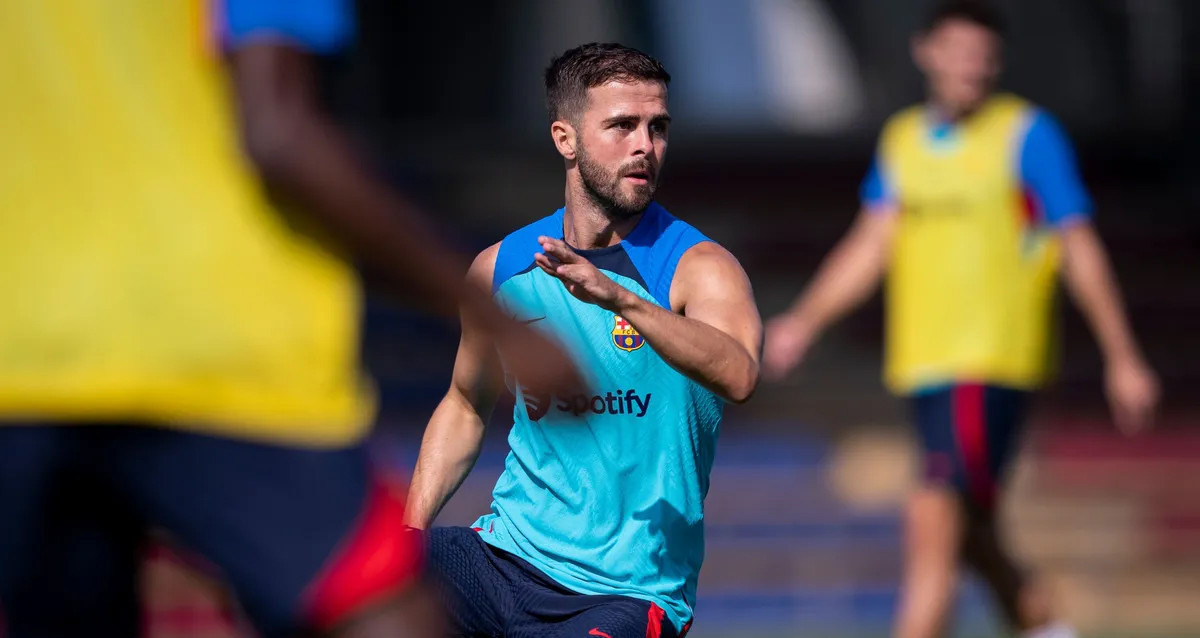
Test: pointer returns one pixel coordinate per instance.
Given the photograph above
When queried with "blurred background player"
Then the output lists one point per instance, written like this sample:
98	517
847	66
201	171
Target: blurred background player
596	525
970	201
180	346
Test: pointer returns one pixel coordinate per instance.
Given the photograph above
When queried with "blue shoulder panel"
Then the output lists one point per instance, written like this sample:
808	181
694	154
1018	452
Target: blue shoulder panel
319	26
876	191
656	246
518	248
1048	169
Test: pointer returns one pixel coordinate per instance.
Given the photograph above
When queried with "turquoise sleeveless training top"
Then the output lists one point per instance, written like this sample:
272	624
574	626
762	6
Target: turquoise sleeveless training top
604	491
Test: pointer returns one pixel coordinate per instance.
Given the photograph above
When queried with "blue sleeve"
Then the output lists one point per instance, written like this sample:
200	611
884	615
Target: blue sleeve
319	26
877	191
516	251
655	248
1049	172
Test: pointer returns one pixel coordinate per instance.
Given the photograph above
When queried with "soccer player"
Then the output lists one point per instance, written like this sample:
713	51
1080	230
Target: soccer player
178	348
596	527
971	200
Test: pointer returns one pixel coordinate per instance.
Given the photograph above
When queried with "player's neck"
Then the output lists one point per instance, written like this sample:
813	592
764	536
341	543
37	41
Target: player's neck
945	113
586	225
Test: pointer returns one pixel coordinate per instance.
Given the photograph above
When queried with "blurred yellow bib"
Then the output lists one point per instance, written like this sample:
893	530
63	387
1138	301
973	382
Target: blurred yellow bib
145	276
971	283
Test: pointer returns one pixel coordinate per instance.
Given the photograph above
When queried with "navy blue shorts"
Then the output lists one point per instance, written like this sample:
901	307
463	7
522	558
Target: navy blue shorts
969	434
291	530
489	592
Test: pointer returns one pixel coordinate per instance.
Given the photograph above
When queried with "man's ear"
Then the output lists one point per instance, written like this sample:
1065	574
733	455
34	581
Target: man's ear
918	46
563	134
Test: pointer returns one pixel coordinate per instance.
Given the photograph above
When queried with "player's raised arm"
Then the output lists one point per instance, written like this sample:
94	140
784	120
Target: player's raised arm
847	277
454	434
715	341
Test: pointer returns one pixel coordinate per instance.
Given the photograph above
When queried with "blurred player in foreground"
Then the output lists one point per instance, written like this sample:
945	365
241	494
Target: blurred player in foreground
596	526
970	201
177	350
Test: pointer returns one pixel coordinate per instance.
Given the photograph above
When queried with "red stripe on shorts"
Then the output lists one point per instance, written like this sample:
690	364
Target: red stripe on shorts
378	558
970	428
654	621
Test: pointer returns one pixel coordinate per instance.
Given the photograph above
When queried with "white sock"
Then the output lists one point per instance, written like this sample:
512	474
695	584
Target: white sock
1053	630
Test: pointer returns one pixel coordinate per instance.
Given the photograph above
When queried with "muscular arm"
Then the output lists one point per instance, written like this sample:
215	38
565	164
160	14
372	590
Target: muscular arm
716	339
304	156
1131	386
454	434
850	274
846	278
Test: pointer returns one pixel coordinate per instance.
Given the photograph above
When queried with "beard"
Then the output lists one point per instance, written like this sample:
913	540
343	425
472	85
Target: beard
603	186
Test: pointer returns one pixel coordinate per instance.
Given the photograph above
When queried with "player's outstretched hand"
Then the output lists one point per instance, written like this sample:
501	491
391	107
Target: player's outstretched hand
582	279
1133	394
538	361
786	342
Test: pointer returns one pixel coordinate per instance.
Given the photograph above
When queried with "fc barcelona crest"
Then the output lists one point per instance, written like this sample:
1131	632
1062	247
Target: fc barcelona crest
625	336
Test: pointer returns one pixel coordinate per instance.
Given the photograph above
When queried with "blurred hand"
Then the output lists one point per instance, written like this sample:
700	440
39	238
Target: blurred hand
582	279
787	342
1133	394
538	362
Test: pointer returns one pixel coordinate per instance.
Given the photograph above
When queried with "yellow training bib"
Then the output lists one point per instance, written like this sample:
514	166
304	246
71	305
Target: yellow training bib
971	283
145	275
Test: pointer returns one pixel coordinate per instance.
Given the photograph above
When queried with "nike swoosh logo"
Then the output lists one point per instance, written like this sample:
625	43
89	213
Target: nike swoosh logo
595	631
534	320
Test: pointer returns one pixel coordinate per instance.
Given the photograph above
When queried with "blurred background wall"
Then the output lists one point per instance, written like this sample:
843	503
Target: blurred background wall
777	104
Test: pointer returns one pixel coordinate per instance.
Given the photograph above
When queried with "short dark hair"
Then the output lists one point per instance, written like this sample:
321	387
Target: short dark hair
978	12
571	74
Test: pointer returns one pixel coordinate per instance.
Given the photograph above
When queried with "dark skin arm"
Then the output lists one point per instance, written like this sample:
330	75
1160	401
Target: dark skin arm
304	157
